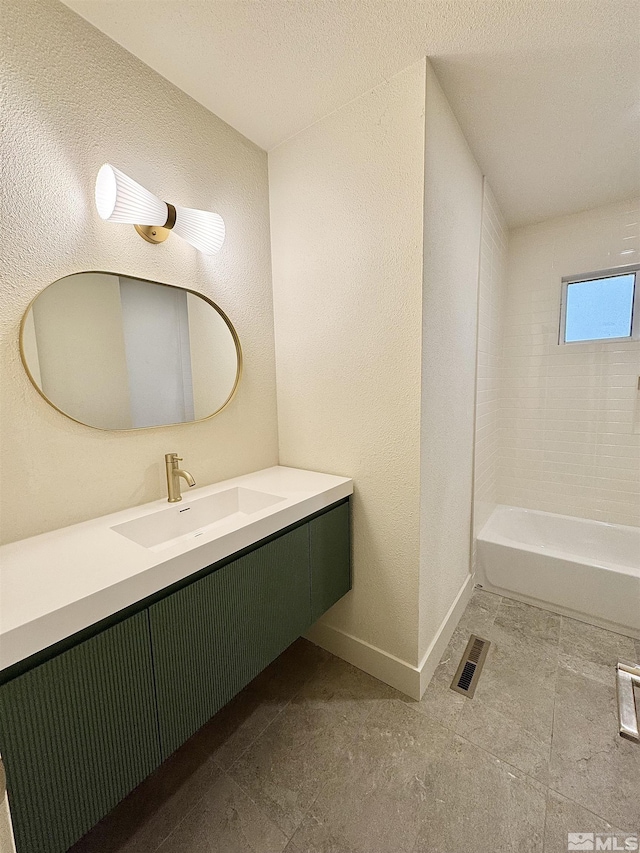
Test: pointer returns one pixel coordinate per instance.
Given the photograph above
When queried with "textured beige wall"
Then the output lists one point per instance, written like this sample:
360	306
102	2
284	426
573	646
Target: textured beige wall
452	222
74	100
346	208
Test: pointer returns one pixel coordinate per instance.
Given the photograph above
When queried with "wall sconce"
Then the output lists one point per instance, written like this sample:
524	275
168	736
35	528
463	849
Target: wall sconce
121	199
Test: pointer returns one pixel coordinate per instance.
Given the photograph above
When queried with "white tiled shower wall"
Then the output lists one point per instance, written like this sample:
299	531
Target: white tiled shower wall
570	415
492	295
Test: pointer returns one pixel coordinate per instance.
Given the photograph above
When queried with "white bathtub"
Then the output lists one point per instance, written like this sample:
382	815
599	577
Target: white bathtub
585	569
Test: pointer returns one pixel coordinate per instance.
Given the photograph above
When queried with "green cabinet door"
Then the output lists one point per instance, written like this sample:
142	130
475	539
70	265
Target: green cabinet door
330	551
77	733
212	637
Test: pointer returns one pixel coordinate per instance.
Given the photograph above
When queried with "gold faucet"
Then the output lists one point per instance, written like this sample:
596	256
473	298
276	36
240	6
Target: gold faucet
173	476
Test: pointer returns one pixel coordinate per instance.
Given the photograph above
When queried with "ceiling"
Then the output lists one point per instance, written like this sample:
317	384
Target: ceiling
546	91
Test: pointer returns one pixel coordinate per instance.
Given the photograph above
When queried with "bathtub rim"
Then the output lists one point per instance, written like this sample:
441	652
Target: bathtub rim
481	580
498	539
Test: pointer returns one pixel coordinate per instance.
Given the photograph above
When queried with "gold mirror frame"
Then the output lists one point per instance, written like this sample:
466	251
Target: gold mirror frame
230	326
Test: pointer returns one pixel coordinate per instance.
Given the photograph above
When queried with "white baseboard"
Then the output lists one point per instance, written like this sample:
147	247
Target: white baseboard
408	679
382	665
444	633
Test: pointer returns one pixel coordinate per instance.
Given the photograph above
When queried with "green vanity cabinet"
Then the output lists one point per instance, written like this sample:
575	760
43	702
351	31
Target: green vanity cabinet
330	554
77	733
214	636
89	721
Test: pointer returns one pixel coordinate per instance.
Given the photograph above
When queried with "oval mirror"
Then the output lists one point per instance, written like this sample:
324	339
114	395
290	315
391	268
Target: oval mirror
116	352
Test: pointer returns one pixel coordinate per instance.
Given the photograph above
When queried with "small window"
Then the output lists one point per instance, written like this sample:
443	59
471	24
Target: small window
600	306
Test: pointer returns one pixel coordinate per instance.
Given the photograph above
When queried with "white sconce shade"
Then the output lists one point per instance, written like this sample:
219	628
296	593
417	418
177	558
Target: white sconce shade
202	229
121	199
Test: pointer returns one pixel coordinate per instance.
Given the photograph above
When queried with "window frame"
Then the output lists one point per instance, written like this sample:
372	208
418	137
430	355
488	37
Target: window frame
614	272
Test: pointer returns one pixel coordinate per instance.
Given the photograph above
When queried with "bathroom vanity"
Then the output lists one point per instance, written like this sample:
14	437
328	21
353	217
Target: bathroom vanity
120	637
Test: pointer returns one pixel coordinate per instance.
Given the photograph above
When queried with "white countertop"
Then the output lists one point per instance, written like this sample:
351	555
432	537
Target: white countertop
58	583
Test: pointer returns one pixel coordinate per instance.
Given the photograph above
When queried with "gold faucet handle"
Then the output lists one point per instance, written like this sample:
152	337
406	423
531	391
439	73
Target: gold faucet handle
173	457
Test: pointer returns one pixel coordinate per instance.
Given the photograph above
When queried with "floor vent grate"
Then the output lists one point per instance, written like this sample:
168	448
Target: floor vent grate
466	678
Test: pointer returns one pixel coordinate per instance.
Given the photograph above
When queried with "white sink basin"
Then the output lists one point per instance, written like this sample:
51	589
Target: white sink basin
187	520
58	583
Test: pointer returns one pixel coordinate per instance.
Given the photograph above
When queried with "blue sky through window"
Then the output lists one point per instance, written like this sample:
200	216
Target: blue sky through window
599	309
